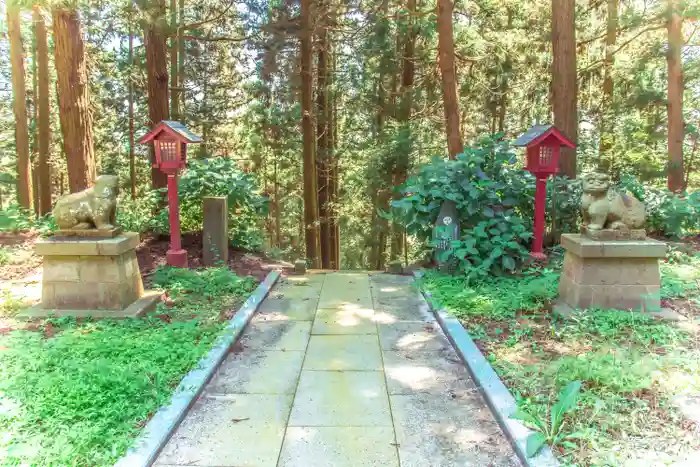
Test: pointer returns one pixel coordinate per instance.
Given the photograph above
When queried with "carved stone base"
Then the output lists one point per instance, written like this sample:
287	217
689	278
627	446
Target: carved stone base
611	274
614	234
97	277
89	233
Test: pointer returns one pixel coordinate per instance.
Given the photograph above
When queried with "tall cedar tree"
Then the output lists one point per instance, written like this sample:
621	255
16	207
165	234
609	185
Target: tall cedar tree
311	230
44	112
322	132
155	37
19	106
446	57
404	117
564	87
675	97
73	98
606	121
130	77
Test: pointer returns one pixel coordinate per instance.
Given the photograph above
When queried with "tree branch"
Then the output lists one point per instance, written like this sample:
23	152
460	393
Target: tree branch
188	27
216	39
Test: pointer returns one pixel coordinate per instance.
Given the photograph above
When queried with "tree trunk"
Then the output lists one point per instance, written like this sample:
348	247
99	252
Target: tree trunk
174	74
34	138
333	166
181	63
130	77
155	37
675	97
44	113
311	231
73	98
19	106
404	118
564	84
606	124
446	58
322	166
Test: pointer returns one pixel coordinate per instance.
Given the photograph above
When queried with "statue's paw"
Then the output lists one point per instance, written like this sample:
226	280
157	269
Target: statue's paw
594	227
106	227
82	226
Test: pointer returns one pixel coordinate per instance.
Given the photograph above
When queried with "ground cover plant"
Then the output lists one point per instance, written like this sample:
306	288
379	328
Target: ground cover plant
631	368
77	393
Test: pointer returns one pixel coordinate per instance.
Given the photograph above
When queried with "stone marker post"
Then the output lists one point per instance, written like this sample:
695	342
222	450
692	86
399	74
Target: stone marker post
446	229
215	233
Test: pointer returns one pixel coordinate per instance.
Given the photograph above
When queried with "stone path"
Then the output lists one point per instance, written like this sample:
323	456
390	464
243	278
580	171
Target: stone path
340	369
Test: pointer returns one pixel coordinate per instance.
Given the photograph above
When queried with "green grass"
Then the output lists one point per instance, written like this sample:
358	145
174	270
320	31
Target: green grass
631	365
77	394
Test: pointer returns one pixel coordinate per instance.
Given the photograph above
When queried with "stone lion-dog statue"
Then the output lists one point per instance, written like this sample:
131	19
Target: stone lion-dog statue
604	208
93	208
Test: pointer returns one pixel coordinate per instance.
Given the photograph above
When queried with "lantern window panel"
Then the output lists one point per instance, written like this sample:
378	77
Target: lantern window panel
546	156
168	151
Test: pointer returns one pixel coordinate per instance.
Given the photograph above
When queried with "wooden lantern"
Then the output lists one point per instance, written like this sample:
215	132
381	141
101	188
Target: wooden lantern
543	146
170	140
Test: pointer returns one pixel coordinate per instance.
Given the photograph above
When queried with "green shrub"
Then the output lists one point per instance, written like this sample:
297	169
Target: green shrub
15	218
221	177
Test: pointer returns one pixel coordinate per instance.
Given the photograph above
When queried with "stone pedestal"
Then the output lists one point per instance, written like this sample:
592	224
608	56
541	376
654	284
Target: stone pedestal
91	277
215	231
611	274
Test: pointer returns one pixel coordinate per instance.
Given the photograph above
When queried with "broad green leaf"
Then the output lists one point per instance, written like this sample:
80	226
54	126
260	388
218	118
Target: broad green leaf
534	443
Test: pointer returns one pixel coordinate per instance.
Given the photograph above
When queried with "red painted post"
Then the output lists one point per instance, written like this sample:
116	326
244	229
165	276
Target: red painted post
540	202
176	256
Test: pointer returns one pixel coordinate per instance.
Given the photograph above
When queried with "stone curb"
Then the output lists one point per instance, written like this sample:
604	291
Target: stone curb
497	396
166	420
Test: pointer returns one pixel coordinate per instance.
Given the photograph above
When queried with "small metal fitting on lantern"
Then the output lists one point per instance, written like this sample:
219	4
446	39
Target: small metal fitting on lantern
543	148
170	140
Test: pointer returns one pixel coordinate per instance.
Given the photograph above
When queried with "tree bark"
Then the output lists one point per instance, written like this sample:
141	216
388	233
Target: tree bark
174	72
181	63
322	166
446	58
404	118
130	77
675	97
155	36
19	106
564	80
73	98
311	230
606	124
44	113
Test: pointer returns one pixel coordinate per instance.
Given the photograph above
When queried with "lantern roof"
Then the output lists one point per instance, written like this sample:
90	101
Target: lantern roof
174	129
538	133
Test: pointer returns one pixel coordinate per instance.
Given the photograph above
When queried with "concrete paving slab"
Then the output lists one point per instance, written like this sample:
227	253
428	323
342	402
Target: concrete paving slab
339	447
341	398
393	311
355	352
298	309
258	372
406	335
435	372
277	335
217	431
439	430
359	321
251	445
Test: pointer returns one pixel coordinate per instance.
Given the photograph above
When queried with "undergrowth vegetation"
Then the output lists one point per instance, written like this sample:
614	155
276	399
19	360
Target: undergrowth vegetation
77	393
632	368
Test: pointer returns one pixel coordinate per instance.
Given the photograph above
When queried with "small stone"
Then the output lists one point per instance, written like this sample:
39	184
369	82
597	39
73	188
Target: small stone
395	267
300	266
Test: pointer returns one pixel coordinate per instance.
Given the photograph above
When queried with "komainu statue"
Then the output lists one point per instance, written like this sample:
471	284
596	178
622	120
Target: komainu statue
93	208
606	209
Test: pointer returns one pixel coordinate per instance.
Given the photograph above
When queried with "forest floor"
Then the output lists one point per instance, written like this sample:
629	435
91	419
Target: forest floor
640	404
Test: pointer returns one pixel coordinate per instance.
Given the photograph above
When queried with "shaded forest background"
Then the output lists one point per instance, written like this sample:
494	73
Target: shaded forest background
323	107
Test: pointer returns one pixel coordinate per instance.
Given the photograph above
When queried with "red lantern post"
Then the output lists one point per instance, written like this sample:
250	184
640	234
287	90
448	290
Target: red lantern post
543	144
170	140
